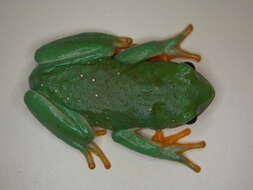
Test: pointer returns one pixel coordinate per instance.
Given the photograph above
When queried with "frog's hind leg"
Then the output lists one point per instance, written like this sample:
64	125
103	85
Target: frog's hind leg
159	50
172	140
69	126
155	148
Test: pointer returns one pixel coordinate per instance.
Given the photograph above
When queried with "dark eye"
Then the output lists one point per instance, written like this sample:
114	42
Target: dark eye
190	64
192	121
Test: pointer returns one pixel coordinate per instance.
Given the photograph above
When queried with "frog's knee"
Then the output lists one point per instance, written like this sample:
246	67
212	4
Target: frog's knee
66	124
30	97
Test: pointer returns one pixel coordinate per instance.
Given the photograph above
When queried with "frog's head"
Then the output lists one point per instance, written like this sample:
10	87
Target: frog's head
199	93
189	95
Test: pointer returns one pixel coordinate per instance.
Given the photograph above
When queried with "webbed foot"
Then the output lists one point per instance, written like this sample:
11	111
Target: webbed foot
171	142
173	49
94	148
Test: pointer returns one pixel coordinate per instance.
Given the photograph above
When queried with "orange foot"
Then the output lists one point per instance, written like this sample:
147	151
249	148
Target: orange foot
94	148
123	43
101	132
172	141
176	51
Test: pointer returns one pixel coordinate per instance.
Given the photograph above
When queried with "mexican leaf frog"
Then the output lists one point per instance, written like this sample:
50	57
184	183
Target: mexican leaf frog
94	80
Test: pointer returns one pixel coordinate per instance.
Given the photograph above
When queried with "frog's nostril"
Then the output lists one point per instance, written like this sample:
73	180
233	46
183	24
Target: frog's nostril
190	64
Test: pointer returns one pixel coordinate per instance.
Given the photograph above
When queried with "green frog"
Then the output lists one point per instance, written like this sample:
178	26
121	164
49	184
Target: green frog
92	80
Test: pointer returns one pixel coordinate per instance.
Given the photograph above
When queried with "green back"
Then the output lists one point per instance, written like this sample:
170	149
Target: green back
113	95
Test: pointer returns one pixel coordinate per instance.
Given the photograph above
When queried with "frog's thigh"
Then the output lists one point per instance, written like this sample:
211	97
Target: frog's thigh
67	125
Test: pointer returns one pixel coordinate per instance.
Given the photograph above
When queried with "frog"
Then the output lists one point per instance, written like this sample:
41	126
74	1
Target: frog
89	83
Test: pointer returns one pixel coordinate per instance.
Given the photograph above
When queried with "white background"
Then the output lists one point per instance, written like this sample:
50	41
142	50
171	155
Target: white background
33	159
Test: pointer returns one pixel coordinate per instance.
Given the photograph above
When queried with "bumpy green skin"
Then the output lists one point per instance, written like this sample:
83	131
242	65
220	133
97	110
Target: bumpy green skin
115	96
78	85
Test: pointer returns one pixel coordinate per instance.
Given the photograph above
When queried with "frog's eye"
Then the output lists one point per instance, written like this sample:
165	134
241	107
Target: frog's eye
192	121
190	64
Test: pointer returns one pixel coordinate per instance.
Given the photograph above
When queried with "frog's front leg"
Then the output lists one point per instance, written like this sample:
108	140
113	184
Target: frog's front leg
82	47
159	50
160	146
67	125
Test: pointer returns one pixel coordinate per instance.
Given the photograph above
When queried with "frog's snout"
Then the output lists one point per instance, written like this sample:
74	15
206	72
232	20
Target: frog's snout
206	94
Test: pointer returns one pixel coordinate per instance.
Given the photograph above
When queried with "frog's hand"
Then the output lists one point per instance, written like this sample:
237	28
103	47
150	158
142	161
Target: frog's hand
80	48
159	50
67	125
155	148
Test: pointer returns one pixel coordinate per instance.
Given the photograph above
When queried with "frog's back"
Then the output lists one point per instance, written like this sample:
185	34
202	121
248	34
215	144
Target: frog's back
110	94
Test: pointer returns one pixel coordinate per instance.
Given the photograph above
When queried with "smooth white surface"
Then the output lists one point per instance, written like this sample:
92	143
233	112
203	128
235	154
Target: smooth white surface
33	159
